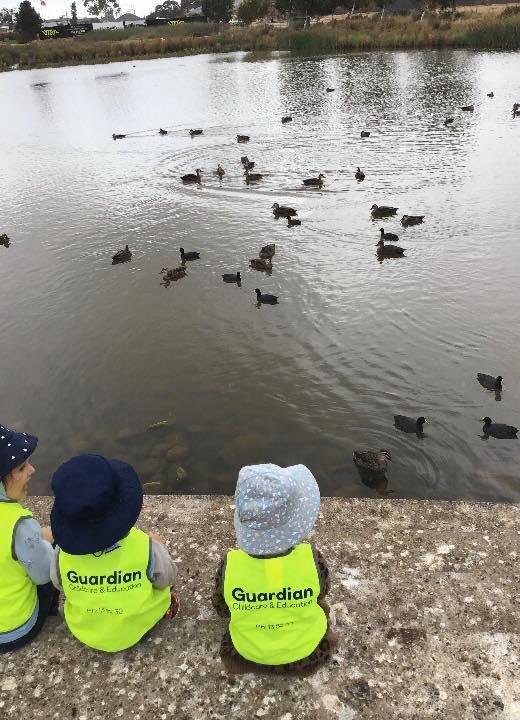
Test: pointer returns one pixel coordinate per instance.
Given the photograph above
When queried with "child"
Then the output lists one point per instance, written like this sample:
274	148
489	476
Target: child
116	579
272	587
26	593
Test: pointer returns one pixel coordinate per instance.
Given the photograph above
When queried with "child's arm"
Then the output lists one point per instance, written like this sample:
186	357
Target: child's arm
323	573
217	598
162	571
32	551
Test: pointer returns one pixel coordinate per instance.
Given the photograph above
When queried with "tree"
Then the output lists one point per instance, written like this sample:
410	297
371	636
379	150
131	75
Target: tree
28	22
187	5
7	16
314	8
218	10
74	13
104	8
169	9
250	10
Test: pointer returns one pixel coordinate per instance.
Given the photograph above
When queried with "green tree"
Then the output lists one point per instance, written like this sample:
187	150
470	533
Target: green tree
28	22
250	10
187	5
102	8
7	16
169	9
314	8
218	10
74	13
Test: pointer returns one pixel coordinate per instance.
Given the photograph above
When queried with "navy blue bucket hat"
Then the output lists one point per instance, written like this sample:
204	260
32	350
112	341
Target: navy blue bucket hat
15	448
96	502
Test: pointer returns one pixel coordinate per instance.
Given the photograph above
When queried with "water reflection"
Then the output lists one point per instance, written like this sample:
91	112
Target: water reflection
93	355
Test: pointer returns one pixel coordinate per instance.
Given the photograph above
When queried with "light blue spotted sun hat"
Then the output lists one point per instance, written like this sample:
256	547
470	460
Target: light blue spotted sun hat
275	507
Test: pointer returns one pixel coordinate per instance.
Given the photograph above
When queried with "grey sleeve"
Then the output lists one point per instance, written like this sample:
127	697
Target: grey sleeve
32	551
55	573
162	571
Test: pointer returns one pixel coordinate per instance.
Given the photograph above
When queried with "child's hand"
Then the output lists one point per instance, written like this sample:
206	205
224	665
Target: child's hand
47	534
157	538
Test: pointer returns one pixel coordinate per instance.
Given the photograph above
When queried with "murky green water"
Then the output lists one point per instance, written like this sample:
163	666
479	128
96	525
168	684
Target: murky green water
93	354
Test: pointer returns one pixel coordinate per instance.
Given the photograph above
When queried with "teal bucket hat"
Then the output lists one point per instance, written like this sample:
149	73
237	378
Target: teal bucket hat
275	507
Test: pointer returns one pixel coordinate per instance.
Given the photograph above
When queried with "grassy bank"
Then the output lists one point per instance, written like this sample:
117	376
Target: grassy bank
469	30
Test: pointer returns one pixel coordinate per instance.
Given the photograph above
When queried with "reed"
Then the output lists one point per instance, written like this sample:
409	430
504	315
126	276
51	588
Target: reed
466	30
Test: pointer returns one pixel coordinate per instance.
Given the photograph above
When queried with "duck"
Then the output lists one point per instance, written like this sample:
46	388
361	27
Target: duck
388	236
232	278
4	240
372	462
292	222
490	382
359	175
192	177
449	121
163	132
266	299
330	89
408	424
314	181
189	255
283	210
382	210
287	119
252	177
220	171
197	131
118	136
408	220
516	113
242	138
468	108
267	252
365	133
122	256
261	264
491	94
172	274
389	250
498	430
516	106
248	164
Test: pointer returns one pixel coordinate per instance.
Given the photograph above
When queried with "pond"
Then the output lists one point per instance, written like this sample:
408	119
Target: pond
94	354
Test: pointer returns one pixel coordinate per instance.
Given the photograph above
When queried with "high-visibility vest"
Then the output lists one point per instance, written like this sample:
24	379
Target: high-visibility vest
109	601
18	596
275	616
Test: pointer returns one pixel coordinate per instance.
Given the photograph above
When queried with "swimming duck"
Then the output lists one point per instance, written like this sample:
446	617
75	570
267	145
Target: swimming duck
248	164
516	106
449	121
360	175
4	240
198	131
266	299
330	89
252	177
220	171
189	255
122	256
389	237
292	222
192	177
382	210
490	382
408	220
365	133
516	113
408	424
389	250
116	136
498	430
314	181
371	462
163	132
261	264
242	138
172	274
287	119
283	210
468	108
267	252
232	278
491	94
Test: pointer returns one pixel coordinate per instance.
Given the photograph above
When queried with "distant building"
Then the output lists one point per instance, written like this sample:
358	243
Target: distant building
129	18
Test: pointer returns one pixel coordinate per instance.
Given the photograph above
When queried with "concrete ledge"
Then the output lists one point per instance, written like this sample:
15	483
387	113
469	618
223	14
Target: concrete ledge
426	602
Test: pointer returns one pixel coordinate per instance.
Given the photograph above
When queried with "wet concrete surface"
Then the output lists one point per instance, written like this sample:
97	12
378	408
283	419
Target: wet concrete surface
425	600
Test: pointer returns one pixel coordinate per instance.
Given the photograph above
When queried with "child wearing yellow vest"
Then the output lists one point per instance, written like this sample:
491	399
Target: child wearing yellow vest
116	579
272	587
27	597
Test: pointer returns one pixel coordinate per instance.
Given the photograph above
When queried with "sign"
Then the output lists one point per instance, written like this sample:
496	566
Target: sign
64	31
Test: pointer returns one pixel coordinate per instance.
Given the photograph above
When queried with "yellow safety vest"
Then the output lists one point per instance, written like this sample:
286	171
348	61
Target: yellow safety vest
18	596
275	616
109	601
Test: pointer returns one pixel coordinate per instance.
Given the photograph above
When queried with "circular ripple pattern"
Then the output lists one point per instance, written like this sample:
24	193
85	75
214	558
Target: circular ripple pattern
92	354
